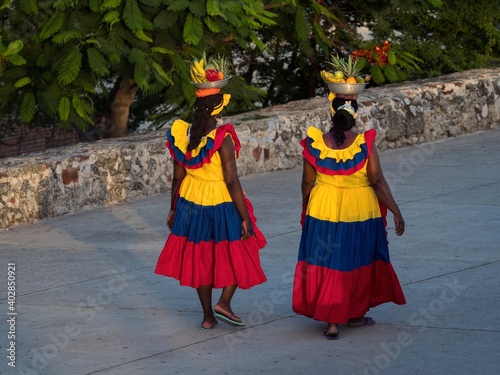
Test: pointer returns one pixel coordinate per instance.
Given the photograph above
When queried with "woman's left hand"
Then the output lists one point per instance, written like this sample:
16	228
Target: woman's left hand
245	230
399	224
170	219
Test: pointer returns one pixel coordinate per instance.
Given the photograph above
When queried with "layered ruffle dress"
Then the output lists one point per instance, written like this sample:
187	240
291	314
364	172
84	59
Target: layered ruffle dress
343	266
204	246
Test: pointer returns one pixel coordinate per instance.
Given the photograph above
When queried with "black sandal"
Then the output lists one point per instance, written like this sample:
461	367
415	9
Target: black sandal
366	321
331	336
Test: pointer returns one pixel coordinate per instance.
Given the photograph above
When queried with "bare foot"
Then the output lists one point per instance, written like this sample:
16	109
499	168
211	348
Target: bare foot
209	323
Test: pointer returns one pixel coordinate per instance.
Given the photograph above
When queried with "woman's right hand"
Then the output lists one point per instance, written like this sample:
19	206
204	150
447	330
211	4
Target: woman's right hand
399	224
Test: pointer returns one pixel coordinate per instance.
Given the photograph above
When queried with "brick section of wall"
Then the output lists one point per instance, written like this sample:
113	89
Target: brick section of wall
23	140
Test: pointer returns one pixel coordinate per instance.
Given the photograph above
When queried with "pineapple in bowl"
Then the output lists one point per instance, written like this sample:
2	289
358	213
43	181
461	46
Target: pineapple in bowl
345	77
210	73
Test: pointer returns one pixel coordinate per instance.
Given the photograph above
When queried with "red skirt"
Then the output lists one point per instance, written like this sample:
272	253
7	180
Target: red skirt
205	249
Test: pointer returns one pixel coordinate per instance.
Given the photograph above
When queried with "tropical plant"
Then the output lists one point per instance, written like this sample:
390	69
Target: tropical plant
87	60
385	63
289	66
446	36
109	63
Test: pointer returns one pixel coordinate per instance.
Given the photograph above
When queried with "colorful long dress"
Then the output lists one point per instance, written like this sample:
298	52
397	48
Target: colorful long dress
343	266
204	246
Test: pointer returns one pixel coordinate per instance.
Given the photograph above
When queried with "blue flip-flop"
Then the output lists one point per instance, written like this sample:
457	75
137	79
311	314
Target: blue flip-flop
227	319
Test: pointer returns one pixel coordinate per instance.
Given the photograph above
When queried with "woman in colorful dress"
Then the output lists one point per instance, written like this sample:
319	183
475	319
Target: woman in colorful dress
214	241
343	266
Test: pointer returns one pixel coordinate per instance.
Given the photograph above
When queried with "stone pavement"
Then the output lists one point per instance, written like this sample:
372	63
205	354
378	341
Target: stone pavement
88	301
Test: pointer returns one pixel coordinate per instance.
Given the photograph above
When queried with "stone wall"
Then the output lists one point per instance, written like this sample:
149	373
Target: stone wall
71	179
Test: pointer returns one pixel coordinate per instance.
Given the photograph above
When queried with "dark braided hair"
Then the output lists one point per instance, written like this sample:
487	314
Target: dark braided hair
203	107
342	120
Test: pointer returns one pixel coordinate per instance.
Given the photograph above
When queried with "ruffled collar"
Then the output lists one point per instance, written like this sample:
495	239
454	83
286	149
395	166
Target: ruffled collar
337	161
178	140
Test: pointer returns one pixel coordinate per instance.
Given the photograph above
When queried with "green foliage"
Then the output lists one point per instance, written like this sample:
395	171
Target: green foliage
295	47
22	82
445	36
52	26
386	63
29	7
193	29
62	71
79	45
64	108
70	67
97	62
28	106
10	55
132	16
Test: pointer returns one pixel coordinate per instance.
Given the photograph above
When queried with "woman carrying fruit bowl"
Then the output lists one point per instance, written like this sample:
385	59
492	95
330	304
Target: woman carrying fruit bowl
343	267
214	240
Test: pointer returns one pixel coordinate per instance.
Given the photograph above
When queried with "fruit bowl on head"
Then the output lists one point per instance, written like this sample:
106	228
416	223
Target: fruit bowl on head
212	85
346	88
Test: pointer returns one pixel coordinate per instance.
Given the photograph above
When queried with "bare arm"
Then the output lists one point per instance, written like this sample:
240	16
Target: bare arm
228	160
308	179
178	175
381	188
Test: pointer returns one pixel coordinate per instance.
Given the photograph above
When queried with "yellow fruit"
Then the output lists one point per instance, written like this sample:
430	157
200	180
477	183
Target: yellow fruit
339	75
351	80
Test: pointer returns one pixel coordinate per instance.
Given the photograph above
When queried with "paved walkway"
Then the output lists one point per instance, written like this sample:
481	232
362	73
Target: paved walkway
88	301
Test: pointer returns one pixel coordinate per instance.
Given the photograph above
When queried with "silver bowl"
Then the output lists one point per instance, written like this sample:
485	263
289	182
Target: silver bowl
212	85
346	88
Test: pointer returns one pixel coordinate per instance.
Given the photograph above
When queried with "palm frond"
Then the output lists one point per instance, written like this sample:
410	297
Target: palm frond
132	16
136	56
64	108
211	24
48	99
178	5
97	61
142	75
82	109
198	9
65	36
29	7
161	75
111	17
213	8
110	4
28	107
164	19
53	25
193	30
70	67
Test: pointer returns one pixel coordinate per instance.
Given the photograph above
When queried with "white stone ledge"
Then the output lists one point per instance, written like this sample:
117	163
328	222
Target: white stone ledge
71	179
